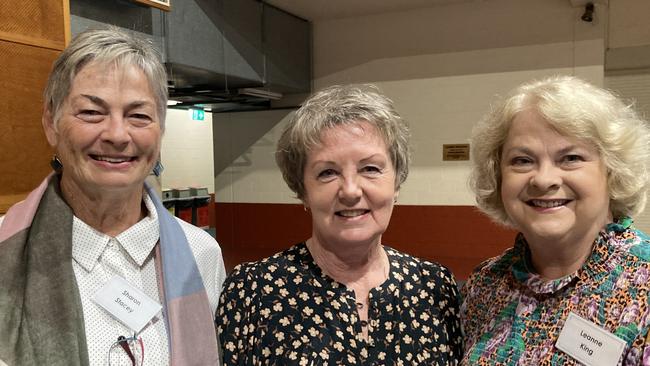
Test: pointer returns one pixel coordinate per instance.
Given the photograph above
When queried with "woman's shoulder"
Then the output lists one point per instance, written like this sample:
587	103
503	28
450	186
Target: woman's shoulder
196	235
489	272
497	266
408	265
265	277
636	242
287	260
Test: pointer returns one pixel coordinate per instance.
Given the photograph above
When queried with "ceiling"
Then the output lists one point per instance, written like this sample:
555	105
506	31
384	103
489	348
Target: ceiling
315	10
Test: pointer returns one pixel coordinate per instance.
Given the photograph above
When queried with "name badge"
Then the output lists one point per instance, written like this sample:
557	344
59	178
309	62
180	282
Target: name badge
589	343
126	303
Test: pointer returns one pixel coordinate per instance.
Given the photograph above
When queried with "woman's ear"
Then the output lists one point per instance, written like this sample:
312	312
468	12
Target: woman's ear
305	204
49	127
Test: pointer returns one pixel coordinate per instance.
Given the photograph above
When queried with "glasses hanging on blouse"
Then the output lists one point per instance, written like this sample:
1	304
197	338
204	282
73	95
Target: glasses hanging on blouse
126	352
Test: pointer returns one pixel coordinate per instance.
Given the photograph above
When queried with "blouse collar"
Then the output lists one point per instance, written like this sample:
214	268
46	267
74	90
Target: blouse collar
320	279
596	263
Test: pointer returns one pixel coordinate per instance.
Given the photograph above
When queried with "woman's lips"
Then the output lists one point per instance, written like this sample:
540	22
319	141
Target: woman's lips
112	159
547	203
351	213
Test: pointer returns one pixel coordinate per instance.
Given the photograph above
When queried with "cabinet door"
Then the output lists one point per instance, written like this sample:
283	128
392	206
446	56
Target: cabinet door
32	34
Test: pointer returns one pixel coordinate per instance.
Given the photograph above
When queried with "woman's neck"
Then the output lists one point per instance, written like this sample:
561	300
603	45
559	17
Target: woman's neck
359	268
553	260
556	257
108	212
362	266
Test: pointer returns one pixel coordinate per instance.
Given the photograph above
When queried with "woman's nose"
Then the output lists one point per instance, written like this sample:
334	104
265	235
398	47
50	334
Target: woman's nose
116	130
546	177
350	190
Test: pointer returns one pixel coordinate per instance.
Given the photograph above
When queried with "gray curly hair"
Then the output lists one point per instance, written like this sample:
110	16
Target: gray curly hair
338	105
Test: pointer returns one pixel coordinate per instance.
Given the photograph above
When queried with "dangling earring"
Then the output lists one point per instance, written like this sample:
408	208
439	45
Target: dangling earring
56	164
158	168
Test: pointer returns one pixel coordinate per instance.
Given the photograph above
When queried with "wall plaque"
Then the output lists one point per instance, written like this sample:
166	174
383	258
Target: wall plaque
455	152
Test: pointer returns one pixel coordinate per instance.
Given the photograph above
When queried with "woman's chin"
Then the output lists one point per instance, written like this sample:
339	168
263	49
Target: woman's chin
354	238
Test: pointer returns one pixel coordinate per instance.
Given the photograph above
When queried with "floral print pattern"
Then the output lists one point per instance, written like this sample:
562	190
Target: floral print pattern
284	310
512	316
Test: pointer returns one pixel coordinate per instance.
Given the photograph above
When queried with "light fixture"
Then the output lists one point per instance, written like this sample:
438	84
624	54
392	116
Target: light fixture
172	102
260	93
588	15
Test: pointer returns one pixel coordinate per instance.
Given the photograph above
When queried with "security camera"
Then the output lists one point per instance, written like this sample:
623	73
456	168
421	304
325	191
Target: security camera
588	15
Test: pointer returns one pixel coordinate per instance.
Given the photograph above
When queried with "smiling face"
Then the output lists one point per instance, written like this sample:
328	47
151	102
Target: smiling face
350	186
108	134
554	188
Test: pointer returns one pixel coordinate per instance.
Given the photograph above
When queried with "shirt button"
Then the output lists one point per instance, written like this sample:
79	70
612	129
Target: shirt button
364	323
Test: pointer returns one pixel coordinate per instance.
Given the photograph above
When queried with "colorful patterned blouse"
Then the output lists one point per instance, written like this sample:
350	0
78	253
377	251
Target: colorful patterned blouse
511	316
284	311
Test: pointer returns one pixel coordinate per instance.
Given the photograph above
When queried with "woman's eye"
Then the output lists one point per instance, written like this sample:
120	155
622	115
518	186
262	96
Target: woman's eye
90	115
521	160
89	112
371	169
573	158
140	118
327	173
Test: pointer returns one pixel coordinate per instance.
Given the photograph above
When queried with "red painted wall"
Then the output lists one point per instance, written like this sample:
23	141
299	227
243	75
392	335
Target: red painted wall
459	237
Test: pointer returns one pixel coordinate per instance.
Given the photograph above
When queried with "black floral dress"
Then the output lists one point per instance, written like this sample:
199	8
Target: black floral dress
284	311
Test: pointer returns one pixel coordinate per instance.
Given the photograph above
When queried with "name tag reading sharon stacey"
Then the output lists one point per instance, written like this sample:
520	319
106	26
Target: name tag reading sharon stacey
589	343
126	303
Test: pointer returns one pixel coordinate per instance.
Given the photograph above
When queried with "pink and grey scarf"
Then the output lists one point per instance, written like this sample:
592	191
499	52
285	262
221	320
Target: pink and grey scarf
41	319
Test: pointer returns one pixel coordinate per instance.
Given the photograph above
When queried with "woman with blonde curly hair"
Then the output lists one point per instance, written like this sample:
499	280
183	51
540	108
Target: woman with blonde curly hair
566	164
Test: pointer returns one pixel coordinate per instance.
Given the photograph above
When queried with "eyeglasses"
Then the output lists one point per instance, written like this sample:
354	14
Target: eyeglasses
126	352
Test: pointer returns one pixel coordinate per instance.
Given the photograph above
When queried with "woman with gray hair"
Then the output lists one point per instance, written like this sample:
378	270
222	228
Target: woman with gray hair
342	296
94	269
566	164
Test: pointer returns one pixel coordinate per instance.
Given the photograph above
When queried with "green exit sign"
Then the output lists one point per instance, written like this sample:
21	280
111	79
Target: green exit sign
198	114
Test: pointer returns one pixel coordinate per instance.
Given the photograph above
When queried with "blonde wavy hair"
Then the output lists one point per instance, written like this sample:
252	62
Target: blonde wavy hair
576	109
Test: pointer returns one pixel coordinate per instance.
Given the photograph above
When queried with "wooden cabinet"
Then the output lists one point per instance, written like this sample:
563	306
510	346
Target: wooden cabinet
32	34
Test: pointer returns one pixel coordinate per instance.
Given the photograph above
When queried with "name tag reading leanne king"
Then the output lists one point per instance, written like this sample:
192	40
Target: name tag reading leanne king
126	303
589	343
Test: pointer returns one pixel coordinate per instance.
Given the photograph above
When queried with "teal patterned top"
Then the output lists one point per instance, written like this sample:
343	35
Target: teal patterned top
511	316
